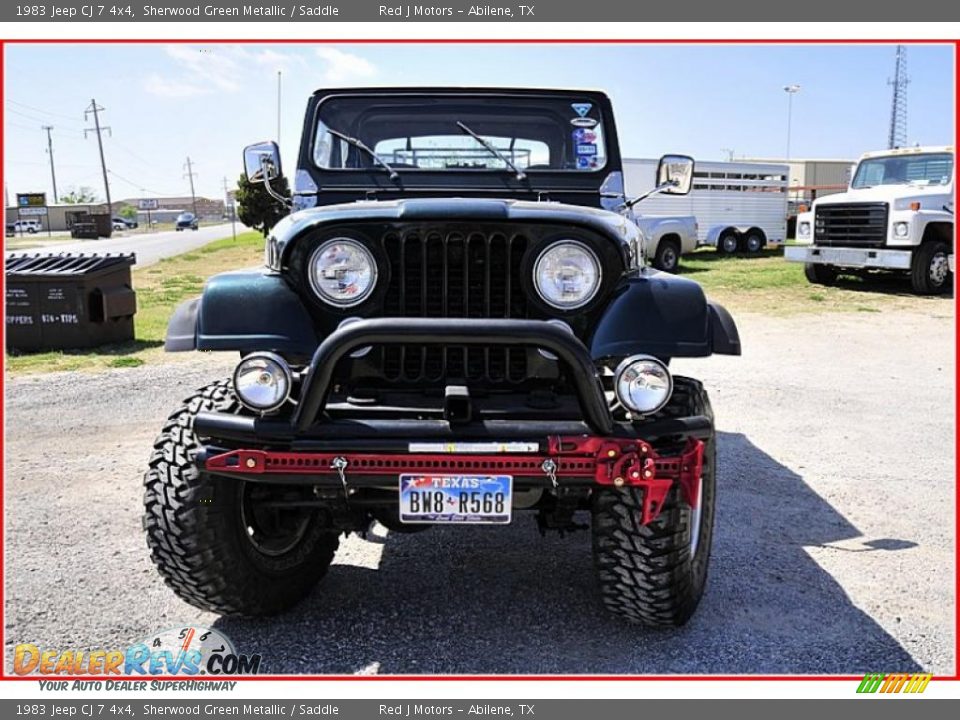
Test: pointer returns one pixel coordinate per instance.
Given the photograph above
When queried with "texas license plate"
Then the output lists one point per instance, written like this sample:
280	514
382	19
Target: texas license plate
456	499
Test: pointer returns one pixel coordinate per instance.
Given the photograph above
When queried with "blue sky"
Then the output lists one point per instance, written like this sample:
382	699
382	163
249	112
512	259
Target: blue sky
165	102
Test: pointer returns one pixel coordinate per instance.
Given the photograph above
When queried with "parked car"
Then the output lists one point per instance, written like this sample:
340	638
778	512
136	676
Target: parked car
120	223
896	216
461	327
187	221
667	238
30	226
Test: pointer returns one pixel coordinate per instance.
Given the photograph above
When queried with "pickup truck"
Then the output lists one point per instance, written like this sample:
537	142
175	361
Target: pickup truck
666	238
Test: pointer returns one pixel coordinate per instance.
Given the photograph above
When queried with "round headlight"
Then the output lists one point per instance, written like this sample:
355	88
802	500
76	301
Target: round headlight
901	229
342	272
567	275
804	229
643	384
262	381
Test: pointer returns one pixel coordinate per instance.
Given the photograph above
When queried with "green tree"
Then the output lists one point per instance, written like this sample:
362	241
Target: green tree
128	212
82	195
255	208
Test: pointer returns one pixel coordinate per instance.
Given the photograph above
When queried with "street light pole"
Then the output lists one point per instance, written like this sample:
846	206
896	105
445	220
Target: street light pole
790	90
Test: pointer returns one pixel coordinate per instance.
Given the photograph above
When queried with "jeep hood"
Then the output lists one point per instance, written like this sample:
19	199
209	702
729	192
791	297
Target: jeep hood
617	227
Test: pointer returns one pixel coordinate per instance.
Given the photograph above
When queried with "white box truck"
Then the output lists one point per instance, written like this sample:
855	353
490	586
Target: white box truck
738	206
897	215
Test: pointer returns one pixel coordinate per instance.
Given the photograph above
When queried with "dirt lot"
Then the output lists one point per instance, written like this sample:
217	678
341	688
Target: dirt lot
834	550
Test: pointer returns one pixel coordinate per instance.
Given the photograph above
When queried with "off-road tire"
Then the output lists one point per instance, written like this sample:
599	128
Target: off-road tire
196	535
820	274
922	275
646	573
667	257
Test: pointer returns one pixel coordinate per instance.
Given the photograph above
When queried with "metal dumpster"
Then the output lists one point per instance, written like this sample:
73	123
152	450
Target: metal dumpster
67	301
89	226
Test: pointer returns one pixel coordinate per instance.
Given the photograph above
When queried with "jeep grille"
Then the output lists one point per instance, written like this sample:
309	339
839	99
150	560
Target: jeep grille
453	274
851	225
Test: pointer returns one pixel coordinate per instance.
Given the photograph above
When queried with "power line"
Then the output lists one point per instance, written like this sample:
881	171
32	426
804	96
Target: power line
45	112
96	109
138	186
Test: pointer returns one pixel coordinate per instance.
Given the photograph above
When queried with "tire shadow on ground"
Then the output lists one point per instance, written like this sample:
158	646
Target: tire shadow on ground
505	600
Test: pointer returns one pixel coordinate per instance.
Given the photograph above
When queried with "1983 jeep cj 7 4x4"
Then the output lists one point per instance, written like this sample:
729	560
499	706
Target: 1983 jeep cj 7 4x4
454	325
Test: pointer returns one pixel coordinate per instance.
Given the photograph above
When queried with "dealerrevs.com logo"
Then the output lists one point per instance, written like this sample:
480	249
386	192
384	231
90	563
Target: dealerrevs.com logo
188	651
894	683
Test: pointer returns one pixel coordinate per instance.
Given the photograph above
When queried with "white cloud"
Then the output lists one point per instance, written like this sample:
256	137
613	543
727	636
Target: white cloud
341	67
171	88
218	68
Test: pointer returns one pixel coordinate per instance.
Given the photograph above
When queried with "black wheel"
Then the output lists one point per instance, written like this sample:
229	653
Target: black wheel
31	230
667	257
820	274
217	542
754	240
655	574
930	269
729	242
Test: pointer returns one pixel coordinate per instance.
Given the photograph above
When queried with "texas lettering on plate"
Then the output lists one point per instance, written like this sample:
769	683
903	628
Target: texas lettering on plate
479	499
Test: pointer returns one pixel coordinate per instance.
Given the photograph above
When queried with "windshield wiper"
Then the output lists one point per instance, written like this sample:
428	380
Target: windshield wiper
360	144
521	175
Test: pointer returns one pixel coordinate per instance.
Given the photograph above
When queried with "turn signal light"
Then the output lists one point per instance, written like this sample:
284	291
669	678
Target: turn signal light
914	206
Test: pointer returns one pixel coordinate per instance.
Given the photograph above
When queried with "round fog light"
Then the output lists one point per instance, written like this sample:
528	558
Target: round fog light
262	381
643	384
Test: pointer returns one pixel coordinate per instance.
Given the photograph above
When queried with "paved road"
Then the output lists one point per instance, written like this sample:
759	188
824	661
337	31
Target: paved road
149	247
834	546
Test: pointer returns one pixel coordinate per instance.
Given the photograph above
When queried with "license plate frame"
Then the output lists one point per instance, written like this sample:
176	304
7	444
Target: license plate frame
419	493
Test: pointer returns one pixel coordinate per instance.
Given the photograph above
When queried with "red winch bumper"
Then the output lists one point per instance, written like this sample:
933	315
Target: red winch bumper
603	461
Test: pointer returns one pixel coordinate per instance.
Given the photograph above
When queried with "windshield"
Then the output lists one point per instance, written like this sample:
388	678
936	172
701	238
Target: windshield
422	133
920	169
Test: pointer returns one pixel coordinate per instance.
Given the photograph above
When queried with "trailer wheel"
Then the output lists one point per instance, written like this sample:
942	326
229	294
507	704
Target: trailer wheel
820	274
729	241
667	257
930	269
754	240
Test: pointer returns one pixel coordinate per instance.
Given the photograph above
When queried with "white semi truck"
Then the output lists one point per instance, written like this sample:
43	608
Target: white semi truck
896	215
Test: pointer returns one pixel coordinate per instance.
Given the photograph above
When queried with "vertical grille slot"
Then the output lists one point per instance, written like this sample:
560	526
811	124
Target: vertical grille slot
454	274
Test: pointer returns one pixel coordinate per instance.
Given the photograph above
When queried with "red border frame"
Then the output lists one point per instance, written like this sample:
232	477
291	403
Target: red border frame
4	677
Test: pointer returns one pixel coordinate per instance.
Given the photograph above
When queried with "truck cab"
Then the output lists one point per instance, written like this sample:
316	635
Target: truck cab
897	215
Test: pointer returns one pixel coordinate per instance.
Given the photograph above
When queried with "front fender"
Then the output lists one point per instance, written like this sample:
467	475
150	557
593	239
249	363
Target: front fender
666	316
243	311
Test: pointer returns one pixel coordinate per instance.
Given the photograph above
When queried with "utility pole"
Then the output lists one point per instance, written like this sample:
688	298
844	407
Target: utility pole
96	109
191	174
233	207
790	90
53	174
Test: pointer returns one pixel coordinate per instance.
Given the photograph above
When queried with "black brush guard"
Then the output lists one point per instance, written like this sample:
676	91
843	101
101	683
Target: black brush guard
308	428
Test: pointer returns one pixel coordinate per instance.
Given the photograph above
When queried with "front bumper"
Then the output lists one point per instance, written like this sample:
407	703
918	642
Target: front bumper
313	448
850	257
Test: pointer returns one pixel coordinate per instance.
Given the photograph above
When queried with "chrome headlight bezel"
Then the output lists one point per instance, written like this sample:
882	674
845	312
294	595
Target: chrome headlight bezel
591	256
313	273
901	225
804	229
629	363
283	371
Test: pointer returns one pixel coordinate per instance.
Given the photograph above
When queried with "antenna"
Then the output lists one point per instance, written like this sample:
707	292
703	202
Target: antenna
898	109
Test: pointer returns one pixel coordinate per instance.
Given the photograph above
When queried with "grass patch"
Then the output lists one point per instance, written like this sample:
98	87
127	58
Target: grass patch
160	288
766	283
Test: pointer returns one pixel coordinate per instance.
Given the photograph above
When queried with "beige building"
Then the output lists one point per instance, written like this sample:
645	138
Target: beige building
58	217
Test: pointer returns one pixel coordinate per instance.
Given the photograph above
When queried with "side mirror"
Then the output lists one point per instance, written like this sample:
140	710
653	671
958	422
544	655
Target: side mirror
675	174
261	162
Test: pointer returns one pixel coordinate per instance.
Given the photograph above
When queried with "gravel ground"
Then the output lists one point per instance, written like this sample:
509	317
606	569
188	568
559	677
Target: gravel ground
834	548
